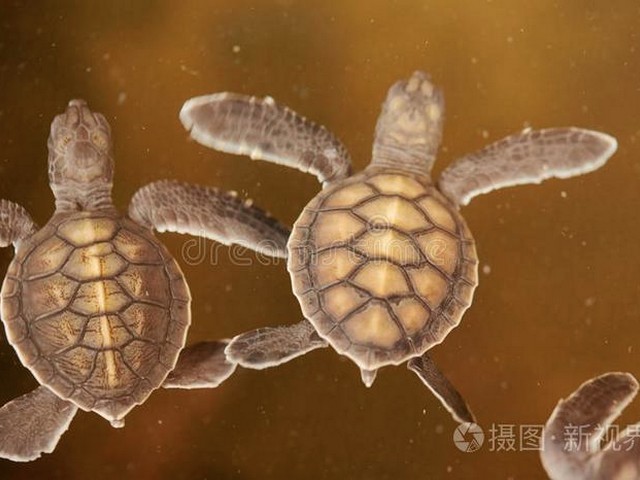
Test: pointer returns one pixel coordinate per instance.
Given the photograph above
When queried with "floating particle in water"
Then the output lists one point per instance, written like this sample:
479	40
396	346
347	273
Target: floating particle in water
439	429
589	302
235	49
188	70
563	194
486	269
122	97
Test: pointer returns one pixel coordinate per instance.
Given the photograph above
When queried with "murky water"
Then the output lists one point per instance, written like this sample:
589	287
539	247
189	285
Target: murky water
558	300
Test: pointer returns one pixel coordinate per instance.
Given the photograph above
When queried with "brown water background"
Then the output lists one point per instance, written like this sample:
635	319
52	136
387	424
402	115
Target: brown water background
557	304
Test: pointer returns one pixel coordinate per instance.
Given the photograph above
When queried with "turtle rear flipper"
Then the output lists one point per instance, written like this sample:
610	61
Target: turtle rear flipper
32	424
527	157
271	346
265	131
441	387
201	365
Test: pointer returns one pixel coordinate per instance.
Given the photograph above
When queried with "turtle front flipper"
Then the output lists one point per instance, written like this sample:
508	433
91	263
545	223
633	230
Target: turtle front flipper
15	223
577	425
201	365
621	458
271	346
32	424
170	206
265	131
527	157
441	387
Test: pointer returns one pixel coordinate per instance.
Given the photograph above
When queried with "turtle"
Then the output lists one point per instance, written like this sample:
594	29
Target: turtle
573	438
382	262
93	303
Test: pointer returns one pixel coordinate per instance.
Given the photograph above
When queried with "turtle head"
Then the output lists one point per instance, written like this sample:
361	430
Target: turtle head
409	128
80	158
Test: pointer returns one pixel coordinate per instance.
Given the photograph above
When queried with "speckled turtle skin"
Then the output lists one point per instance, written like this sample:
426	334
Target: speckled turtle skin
383	265
97	309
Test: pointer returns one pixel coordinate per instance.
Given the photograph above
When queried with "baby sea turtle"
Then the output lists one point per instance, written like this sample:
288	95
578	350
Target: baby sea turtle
573	447
382	262
94	305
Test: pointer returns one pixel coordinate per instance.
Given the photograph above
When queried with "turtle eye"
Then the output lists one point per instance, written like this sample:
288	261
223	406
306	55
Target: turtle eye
99	139
64	141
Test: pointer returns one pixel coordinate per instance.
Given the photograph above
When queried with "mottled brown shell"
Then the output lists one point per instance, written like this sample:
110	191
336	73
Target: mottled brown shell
383	266
97	309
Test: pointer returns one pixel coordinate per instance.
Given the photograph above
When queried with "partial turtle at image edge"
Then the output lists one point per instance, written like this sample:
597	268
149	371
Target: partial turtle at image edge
573	439
382	262
93	304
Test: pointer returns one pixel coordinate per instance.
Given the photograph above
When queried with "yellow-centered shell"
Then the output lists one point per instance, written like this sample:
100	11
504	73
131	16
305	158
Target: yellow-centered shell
97	309
383	266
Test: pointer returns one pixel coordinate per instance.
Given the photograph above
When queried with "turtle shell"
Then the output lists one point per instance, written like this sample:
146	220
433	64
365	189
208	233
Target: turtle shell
383	266
97	309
